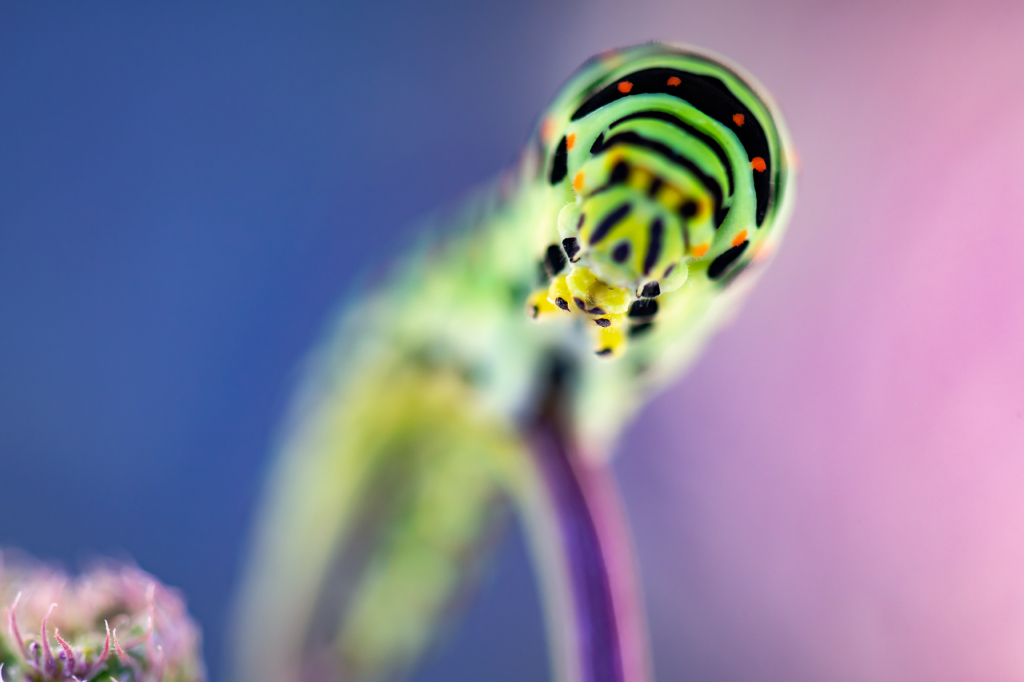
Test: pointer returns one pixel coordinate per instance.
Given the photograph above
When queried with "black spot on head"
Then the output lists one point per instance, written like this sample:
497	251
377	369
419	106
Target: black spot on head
536	312
554	260
640	329
657	229
604	351
621	252
651	290
620	173
610	221
722	263
643	307
579	304
603	322
561	303
571	246
560	162
655	186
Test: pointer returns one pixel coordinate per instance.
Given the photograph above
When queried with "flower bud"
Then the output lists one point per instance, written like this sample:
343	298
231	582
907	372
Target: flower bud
113	622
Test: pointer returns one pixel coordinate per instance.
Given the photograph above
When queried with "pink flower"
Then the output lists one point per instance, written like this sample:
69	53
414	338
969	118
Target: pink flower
114	621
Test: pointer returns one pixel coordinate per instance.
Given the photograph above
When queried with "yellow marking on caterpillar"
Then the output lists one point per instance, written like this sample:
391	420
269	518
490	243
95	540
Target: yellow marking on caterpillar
558	293
539	306
588	292
611	341
581	292
639	179
669	197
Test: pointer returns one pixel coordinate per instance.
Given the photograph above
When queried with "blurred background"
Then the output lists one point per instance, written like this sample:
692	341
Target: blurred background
835	493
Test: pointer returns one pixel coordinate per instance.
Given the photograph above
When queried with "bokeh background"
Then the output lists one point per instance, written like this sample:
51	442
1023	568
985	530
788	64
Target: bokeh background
835	493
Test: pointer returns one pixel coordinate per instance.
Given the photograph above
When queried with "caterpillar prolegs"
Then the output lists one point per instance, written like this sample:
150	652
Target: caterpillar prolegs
497	367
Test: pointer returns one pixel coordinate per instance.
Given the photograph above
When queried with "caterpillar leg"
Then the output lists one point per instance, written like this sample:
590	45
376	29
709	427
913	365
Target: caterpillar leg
559	294
580	291
591	295
607	305
545	303
540	306
610	341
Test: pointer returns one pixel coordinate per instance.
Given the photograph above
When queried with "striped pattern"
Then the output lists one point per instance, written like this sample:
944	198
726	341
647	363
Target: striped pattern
687	143
656	177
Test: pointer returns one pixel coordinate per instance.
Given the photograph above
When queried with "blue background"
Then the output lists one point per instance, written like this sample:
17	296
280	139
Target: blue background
186	189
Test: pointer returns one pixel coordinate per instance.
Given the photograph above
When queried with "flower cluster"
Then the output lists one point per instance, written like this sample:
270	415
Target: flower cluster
114	623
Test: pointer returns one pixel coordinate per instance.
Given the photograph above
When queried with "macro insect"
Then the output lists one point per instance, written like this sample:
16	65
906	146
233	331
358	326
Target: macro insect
496	368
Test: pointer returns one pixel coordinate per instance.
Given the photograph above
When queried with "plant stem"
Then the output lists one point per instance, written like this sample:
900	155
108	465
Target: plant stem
607	638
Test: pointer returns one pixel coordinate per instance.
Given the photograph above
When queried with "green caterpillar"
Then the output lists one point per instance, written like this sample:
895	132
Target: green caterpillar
500	364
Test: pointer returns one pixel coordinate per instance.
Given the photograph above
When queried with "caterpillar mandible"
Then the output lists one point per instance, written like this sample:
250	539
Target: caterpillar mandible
500	364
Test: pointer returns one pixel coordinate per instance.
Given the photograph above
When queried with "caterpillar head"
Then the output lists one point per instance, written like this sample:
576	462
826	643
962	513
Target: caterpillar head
665	165
633	225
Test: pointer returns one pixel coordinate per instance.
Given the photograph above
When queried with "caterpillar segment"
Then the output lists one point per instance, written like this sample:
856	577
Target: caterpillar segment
669	165
656	186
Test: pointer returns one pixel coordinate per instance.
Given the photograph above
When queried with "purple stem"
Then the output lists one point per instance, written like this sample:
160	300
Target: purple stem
600	650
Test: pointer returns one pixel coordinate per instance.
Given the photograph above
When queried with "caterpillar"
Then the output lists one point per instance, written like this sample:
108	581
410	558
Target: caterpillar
495	368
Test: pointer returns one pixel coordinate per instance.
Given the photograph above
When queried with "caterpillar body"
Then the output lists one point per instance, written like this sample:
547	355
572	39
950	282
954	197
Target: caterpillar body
650	194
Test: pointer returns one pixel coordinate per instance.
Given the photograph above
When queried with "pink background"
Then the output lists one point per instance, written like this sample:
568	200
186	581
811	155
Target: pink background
836	492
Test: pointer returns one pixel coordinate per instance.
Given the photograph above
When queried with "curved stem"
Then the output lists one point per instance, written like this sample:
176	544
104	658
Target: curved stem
585	560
